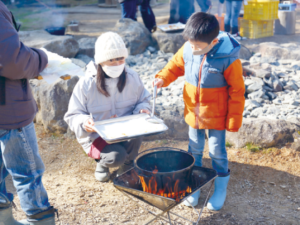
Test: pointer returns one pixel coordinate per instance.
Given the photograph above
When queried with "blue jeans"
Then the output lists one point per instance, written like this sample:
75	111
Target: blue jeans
147	15
20	158
204	5
180	11
233	9
128	9
217	149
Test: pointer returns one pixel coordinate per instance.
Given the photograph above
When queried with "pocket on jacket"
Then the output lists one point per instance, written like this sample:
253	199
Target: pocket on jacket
214	70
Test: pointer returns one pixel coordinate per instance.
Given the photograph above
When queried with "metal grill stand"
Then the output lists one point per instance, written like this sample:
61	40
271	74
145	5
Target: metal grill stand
129	184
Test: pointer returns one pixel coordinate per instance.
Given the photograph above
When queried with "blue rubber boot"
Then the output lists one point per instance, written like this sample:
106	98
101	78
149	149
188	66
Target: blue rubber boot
217	200
193	199
6	216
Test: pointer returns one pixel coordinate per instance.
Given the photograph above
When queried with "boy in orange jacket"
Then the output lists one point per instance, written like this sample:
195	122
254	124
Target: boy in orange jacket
213	94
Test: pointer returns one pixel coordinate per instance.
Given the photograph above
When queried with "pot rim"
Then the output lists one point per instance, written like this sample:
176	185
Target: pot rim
162	150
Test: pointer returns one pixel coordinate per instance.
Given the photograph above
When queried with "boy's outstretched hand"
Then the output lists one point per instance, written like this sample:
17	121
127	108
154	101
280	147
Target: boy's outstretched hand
158	82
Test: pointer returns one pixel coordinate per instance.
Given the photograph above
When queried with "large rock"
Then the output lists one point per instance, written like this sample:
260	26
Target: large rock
135	35
84	58
245	53
272	50
178	129
53	101
263	133
87	46
65	46
168	42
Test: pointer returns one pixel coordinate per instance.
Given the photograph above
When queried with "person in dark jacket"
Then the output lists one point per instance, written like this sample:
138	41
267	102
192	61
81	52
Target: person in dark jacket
129	10
19	154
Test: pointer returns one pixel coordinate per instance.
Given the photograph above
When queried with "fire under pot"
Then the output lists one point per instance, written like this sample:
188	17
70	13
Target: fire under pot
164	178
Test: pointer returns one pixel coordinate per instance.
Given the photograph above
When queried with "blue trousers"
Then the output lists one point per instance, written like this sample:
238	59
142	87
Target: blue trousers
180	11
19	157
217	148
204	5
128	9
233	9
147	15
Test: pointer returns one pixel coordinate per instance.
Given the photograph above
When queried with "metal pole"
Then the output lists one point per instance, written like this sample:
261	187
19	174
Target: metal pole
205	202
182	217
169	218
161	217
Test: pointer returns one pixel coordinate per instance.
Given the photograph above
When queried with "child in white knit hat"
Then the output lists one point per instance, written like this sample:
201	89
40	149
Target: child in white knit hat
109	89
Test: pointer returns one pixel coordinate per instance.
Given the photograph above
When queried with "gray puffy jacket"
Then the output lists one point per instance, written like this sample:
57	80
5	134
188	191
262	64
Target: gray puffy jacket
86	102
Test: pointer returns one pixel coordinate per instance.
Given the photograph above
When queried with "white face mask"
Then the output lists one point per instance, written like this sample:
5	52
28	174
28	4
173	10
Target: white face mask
114	71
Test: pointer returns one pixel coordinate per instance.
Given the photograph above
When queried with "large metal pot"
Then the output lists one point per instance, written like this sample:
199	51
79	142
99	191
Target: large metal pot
165	171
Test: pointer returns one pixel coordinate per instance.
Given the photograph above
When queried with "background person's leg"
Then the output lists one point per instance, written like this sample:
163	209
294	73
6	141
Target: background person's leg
128	9
186	9
22	160
147	15
204	5
227	19
236	8
174	11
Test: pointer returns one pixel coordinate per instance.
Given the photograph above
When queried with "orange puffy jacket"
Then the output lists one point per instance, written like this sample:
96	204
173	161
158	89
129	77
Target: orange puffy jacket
216	100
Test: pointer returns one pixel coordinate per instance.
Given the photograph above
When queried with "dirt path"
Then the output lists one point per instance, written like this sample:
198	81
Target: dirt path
264	187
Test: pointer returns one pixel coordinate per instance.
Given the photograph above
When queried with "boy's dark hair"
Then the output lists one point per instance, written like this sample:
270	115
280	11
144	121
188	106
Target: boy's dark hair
201	27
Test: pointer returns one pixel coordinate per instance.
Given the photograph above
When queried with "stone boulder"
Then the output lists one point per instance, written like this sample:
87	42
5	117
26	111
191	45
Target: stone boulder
65	46
245	53
296	144
79	62
272	50
84	58
52	101
136	36
168	42
87	46
264	133
178	129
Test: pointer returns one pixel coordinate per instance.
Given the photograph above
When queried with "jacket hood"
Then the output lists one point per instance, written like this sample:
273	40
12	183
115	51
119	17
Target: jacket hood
227	47
91	70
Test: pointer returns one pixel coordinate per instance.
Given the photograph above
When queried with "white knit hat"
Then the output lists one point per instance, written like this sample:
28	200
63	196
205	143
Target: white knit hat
109	46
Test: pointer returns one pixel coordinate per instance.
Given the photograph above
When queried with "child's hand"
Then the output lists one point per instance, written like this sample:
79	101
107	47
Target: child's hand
88	126
145	111
158	82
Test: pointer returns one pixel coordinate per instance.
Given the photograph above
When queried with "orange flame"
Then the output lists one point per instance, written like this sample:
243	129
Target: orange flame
167	191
